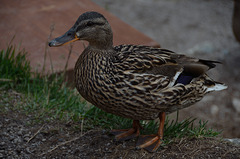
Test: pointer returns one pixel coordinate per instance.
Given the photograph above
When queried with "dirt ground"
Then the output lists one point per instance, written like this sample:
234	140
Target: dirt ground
199	28
25	136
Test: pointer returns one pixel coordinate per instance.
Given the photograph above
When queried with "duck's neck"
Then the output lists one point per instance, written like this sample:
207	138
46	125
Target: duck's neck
101	45
104	42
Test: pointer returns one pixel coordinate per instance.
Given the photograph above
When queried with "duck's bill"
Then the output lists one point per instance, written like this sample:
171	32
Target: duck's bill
68	37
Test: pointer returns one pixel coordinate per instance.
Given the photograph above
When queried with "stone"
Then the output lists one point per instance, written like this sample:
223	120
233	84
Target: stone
235	141
2	143
214	109
236	104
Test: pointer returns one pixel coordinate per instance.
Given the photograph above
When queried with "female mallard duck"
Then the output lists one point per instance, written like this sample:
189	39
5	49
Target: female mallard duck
133	81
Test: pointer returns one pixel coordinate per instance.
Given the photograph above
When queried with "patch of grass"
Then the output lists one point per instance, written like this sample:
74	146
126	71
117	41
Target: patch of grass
51	97
14	67
172	128
179	129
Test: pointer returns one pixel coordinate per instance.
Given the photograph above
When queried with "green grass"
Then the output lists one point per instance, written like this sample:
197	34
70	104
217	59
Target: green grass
14	67
51	97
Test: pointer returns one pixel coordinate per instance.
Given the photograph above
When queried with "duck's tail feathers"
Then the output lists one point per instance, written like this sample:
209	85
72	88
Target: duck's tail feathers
216	87
211	85
209	63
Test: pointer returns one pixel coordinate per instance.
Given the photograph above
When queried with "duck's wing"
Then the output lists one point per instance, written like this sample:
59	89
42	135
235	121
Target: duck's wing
160	63
159	79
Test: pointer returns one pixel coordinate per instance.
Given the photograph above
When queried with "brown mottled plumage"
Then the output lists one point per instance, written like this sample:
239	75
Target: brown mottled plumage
133	81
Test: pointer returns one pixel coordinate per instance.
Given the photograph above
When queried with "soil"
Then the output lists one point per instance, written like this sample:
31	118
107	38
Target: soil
25	136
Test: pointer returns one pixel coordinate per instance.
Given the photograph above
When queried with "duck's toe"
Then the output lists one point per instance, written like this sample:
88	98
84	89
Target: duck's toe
125	134
150	143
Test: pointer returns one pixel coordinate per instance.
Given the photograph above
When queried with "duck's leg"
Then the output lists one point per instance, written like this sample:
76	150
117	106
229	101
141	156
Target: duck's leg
152	142
126	134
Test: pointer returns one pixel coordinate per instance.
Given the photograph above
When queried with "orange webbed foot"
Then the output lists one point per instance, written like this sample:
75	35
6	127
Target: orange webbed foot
150	143
127	134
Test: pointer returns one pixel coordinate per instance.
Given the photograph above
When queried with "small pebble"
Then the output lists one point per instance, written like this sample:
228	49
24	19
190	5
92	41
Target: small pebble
26	135
19	132
236	104
17	140
2	143
28	150
11	138
214	109
26	138
235	141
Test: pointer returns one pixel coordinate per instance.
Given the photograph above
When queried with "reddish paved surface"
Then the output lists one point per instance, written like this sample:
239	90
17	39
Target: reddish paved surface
30	22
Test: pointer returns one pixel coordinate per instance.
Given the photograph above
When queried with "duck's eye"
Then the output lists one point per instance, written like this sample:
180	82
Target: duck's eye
90	23
69	34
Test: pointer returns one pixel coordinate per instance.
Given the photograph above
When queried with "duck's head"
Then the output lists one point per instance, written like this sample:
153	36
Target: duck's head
90	26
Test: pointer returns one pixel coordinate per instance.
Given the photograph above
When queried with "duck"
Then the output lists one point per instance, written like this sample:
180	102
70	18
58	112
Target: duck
135	81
